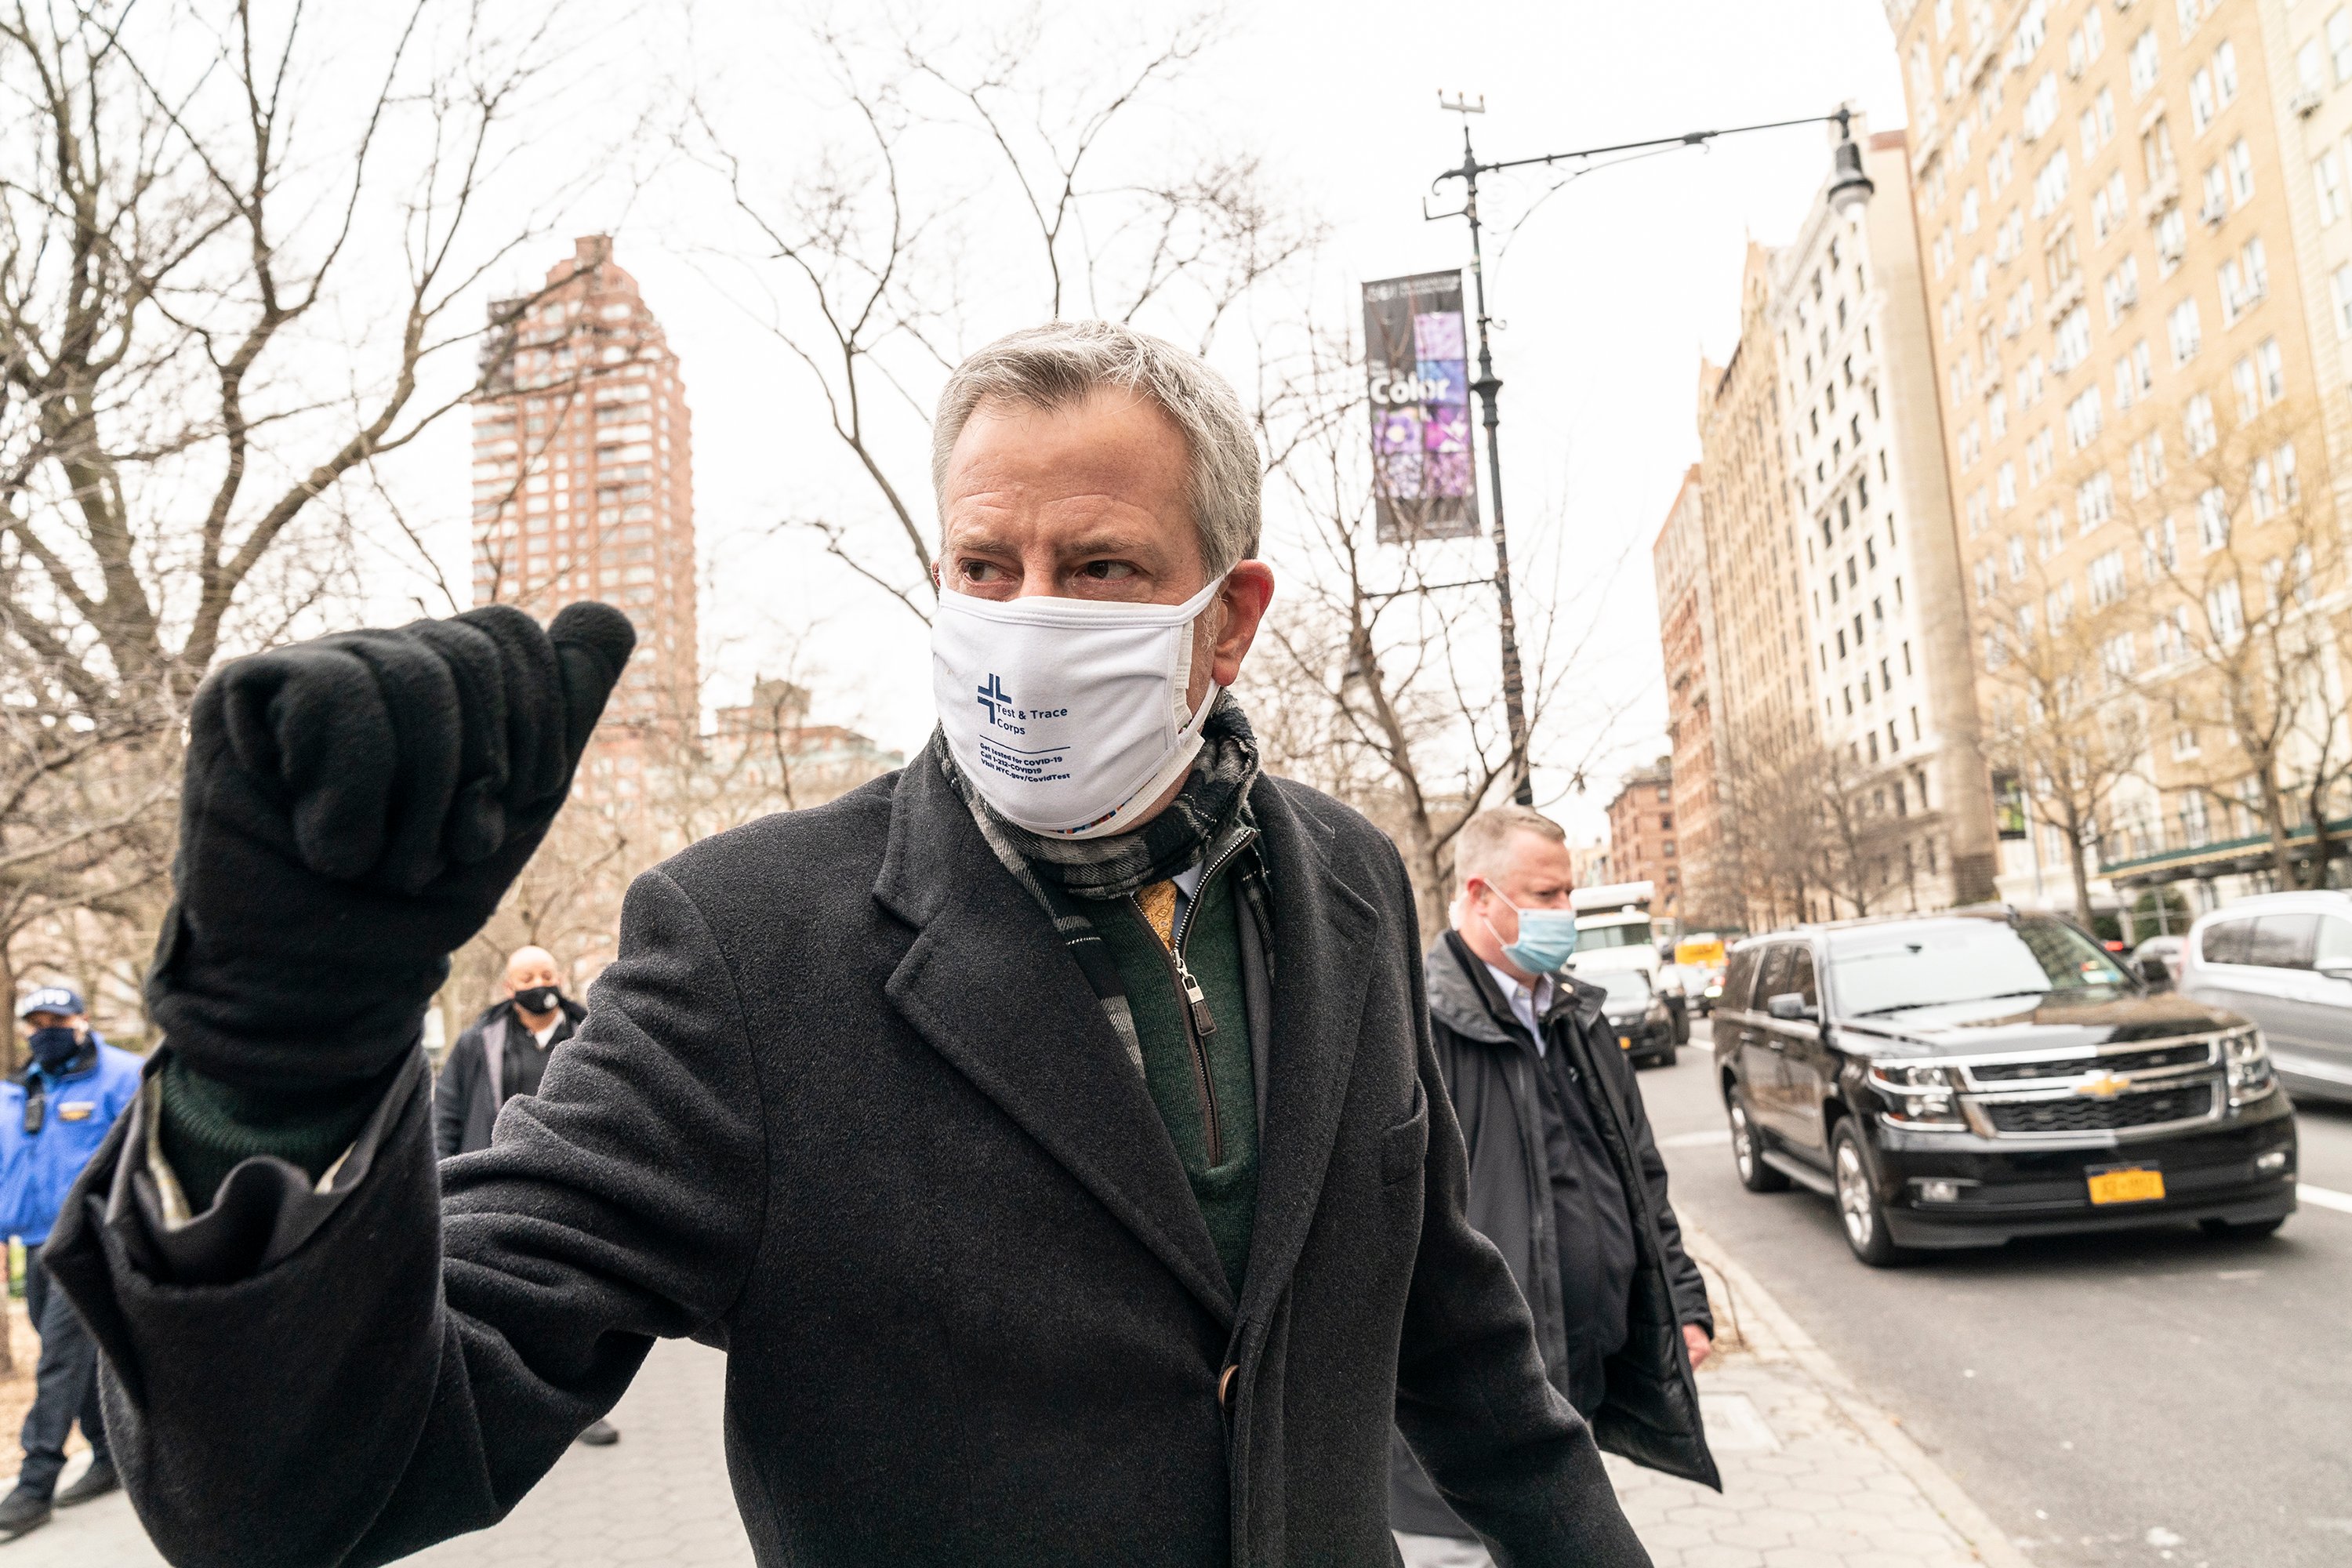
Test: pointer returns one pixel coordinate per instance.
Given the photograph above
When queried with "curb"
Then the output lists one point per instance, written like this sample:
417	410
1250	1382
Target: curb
1757	1306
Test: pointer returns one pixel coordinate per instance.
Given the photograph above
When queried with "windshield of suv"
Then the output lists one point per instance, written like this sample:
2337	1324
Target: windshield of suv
1887	968
1633	933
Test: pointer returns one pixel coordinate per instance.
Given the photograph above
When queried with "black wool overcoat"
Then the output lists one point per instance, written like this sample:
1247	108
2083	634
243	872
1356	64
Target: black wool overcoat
845	1107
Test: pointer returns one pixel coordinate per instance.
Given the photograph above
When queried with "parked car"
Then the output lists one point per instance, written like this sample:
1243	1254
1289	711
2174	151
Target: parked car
2283	959
1956	1080
1637	1015
2157	961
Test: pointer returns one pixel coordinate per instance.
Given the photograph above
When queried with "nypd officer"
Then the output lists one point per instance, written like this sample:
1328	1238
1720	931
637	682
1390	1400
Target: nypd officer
53	1117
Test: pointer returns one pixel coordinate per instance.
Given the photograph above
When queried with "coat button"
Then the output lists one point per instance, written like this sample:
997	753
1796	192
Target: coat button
1225	1387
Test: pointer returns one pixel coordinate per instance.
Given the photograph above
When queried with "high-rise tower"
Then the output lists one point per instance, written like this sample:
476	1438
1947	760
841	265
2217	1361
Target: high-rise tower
583	474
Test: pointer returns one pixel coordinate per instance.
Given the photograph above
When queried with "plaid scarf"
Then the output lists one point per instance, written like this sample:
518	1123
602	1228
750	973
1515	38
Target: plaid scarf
1208	818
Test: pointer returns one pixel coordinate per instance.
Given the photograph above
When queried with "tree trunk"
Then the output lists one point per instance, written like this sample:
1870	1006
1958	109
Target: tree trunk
2078	863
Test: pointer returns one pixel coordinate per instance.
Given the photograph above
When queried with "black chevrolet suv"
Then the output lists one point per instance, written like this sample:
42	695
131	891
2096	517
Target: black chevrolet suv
1958	1079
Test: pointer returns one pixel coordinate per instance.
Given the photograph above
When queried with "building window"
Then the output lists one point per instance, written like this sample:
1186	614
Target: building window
2107	579
2212	519
2144	59
2187	334
2198	423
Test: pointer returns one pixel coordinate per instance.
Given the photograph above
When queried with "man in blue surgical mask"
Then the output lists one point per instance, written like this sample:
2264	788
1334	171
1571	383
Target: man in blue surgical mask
1565	1179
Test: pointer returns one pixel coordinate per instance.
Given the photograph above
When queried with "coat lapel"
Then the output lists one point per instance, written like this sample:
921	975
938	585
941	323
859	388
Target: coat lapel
993	989
1324	946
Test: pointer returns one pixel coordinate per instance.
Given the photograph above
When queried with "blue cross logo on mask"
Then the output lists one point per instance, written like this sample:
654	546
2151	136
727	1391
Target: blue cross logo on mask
993	694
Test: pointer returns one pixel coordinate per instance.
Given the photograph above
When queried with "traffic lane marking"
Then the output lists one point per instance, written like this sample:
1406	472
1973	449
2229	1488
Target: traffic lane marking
2324	1197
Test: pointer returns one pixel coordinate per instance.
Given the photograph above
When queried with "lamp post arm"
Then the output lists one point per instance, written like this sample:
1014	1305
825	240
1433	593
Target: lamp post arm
1471	168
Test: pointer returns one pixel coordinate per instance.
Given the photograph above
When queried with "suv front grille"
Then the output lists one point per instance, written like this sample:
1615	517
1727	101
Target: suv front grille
2078	1113
2185	1053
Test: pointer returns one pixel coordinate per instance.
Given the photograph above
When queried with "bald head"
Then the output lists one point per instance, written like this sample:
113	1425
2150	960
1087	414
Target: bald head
529	966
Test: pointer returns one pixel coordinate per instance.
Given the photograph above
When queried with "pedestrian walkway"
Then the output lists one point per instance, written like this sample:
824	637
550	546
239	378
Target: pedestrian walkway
1814	1475
659	1497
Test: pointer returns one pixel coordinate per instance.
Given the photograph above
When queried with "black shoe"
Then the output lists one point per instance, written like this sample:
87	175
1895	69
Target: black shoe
600	1435
23	1510
96	1482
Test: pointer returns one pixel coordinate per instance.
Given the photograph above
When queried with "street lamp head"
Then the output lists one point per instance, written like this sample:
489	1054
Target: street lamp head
1849	186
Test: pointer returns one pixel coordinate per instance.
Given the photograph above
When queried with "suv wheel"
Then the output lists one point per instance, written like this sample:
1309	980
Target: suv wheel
1748	1148
1857	1199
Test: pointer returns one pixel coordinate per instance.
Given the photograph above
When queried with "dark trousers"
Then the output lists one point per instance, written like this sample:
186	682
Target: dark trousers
65	1385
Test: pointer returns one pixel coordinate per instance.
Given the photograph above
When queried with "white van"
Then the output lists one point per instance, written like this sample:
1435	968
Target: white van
1615	931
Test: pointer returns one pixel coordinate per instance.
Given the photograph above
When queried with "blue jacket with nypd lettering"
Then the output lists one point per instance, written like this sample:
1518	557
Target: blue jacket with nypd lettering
79	1105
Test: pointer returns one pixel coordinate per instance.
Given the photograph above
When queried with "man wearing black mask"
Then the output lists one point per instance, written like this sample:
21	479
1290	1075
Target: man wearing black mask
53	1116
501	1056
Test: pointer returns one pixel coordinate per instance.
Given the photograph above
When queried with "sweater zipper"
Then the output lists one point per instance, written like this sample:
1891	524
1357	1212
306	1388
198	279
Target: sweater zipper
1198	1019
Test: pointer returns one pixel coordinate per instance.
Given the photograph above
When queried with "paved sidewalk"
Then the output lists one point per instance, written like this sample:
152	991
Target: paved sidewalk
1814	1475
659	1497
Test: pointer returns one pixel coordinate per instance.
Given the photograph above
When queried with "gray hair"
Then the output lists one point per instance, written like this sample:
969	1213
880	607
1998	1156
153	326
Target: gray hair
1061	362
1480	847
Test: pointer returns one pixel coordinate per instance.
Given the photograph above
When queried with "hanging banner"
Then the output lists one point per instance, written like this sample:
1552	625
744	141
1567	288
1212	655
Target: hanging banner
1416	362
2009	804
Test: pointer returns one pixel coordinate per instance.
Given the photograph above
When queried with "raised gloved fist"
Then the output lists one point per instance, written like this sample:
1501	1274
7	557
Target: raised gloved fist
354	808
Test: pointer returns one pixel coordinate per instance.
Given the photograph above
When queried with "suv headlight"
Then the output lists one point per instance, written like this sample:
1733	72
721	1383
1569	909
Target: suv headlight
2249	1059
1658	1014
1919	1094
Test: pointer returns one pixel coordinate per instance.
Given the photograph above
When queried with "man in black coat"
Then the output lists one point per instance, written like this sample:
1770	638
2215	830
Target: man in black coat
503	1053
1037	1225
1565	1177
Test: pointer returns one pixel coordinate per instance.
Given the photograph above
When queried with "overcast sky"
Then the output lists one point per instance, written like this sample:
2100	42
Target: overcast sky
1611	290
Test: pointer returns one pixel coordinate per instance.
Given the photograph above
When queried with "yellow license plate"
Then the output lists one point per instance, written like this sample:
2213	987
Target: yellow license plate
1625	1042
2133	1185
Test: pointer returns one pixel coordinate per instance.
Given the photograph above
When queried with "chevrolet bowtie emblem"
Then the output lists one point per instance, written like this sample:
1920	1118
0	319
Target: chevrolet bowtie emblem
2102	1085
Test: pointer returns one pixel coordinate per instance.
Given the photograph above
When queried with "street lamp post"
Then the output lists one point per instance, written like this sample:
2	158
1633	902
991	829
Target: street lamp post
1849	187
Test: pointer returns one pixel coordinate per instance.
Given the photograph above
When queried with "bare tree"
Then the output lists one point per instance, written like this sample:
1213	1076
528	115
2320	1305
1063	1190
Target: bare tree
2065	717
178	476
2240	548
1077	201
1382	688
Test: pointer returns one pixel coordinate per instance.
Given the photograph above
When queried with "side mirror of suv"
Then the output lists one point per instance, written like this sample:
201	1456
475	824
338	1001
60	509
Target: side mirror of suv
2334	968
1790	1007
2154	971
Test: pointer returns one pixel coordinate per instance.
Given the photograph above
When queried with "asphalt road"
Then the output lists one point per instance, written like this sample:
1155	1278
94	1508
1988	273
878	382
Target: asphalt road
2158	1397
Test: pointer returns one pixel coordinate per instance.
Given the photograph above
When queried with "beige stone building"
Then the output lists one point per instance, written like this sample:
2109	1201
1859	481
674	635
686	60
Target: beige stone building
2122	311
1749	528
1904	775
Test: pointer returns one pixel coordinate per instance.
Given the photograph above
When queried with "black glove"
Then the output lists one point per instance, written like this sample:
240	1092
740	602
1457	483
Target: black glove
353	809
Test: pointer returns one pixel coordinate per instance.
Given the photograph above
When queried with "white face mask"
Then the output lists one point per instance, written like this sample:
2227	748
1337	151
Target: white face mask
1069	715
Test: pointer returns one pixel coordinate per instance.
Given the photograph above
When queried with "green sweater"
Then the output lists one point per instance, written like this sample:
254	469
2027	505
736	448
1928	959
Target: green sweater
1191	1072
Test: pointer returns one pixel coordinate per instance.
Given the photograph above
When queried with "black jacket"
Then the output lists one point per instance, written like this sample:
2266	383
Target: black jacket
1651	1413
845	1105
465	1104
